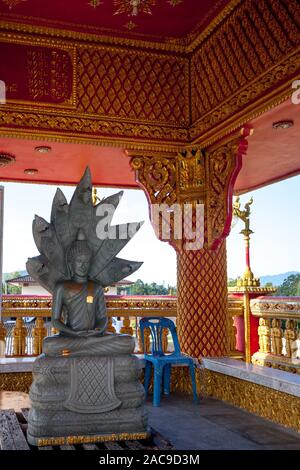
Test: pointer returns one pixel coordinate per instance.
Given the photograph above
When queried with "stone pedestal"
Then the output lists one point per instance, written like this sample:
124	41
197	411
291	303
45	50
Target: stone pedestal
86	399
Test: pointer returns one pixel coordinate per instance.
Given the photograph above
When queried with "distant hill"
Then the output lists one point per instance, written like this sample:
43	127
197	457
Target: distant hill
276	279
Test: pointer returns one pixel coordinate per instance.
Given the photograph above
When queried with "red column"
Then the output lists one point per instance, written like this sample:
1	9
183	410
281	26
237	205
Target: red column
202	302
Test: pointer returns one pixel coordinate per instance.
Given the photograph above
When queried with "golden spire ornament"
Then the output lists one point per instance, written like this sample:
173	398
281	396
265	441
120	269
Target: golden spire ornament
248	278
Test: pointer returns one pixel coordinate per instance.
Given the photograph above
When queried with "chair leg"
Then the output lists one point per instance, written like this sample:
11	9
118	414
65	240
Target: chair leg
147	378
167	378
157	384
193	379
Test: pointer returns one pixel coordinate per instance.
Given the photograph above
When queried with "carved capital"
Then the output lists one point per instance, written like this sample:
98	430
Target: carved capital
157	175
194	176
223	163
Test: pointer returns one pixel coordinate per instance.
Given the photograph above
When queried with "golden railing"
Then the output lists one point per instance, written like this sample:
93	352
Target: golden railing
25	338
278	332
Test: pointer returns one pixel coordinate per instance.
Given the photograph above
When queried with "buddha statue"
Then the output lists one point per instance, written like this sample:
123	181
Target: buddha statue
86	381
75	265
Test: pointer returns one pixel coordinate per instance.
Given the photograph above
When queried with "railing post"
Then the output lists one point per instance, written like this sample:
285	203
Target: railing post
126	329
290	336
247	328
3	333
146	348
39	332
264	334
110	327
232	332
276	335
19	335
165	333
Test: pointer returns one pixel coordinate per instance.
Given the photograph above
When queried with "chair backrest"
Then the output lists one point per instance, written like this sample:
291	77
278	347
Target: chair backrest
156	326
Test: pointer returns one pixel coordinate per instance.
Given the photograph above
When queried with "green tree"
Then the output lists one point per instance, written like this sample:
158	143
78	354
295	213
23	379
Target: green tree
11	289
143	288
290	286
269	284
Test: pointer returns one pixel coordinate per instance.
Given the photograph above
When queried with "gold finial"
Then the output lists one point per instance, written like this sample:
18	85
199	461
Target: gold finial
244	215
248	279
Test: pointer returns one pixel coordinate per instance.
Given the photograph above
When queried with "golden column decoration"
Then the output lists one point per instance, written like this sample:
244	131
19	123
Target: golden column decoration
19	337
39	332
197	184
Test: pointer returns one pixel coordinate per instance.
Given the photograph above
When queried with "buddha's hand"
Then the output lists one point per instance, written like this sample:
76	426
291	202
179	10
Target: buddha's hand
89	333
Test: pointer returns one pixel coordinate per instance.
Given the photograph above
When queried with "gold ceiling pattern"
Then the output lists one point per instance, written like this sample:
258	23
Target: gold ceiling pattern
147	87
134	7
244	66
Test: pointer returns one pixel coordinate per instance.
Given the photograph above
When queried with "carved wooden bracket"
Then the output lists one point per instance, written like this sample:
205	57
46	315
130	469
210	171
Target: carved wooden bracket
194	176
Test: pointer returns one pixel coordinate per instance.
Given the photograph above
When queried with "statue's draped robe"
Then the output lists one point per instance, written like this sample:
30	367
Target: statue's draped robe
83	308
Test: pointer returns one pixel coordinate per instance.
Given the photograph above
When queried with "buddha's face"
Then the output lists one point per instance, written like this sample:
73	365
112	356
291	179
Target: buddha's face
80	265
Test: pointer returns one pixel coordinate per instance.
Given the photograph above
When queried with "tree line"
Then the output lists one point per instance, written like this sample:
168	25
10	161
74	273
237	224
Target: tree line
289	287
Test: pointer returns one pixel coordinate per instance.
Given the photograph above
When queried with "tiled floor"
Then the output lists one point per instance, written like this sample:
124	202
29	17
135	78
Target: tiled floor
216	425
210	425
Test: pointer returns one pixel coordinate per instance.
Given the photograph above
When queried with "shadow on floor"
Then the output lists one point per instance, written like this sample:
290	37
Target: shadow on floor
214	425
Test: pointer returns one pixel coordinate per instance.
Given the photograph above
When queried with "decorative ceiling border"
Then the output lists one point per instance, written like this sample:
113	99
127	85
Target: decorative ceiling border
181	81
253	103
195	38
264	91
104	141
82	38
69	48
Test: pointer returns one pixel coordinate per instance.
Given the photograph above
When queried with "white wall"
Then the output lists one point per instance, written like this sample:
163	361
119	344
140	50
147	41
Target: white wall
112	290
34	290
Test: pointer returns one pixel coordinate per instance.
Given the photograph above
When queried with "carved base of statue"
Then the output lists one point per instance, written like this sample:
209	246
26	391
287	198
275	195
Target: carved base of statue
87	398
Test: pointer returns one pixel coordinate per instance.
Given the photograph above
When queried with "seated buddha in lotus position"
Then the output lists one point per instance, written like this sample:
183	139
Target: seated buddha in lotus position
79	312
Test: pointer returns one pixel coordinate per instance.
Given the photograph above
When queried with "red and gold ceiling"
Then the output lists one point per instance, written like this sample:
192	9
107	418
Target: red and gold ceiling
188	74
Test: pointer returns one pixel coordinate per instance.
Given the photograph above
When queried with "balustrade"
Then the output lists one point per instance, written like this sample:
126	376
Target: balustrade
278	331
26	337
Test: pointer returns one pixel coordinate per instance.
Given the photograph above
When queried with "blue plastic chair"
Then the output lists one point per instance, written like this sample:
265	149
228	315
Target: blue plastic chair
160	361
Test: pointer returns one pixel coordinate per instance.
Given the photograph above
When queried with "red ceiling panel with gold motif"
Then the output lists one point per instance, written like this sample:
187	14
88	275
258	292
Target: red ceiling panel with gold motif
152	19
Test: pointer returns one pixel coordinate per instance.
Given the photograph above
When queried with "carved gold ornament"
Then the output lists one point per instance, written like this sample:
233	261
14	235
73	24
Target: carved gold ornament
135	7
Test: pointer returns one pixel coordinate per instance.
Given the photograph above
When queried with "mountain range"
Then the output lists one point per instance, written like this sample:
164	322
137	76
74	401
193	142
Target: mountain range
276	279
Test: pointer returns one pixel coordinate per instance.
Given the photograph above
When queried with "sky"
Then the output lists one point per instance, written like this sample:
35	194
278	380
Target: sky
275	220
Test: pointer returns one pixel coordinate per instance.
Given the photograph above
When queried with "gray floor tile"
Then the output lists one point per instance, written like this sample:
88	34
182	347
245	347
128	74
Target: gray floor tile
216	425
